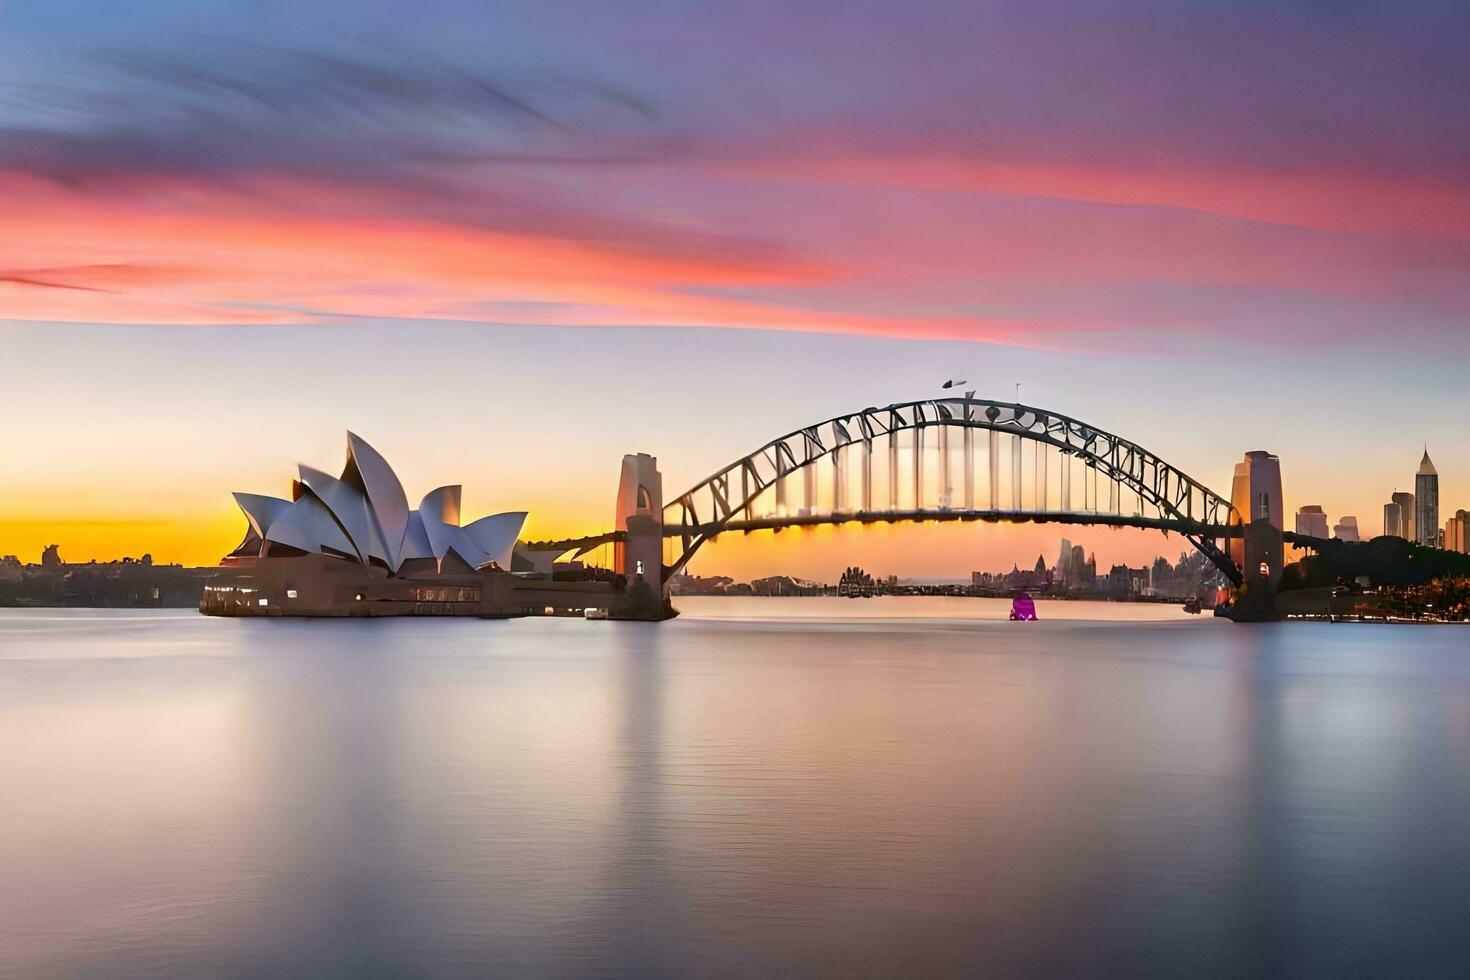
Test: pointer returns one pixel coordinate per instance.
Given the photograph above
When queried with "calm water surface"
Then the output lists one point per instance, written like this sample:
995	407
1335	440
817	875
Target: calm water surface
760	788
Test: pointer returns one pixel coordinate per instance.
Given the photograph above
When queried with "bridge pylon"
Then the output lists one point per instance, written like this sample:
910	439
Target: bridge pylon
1258	547
640	514
1264	551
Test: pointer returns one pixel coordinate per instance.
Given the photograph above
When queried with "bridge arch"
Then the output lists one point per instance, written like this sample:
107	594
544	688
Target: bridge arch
1167	498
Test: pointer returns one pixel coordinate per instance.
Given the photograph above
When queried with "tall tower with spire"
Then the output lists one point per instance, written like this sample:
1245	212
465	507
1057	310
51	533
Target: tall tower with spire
1426	502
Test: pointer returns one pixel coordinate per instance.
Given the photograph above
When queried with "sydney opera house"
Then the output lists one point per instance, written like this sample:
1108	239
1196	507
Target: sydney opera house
350	546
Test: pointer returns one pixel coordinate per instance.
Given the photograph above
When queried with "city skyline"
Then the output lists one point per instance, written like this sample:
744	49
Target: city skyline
554	488
230	234
183	523
1416	516
820	546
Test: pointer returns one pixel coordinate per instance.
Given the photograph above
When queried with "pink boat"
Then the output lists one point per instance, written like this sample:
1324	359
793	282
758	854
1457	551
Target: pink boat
1023	608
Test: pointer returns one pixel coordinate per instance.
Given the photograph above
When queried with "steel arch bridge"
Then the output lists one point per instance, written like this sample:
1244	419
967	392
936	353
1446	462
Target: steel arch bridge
754	492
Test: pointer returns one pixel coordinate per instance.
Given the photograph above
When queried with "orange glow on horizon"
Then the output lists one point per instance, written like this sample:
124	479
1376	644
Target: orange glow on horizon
188	539
949	550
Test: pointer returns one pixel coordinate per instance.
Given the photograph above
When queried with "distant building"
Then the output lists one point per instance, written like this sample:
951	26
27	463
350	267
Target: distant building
1065	574
1454	533
1124	581
1426	502
1256	493
785	585
1346	529
686	584
1393	520
855	583
1312	520
1406	514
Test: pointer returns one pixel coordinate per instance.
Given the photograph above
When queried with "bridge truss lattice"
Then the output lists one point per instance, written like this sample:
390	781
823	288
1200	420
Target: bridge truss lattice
758	490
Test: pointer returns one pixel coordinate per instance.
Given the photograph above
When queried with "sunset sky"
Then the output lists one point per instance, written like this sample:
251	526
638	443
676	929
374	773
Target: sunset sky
509	242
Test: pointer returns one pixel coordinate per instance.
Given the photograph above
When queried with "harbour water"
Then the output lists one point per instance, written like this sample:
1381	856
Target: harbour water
760	788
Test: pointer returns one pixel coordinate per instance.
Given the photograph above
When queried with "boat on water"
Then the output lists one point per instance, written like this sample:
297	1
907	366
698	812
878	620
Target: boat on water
1023	608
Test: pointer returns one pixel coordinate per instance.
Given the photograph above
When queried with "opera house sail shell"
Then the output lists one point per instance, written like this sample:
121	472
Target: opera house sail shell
363	517
349	546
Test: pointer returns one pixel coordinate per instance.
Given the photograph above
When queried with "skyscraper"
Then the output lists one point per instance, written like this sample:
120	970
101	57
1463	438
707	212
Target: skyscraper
1393	519
1426	502
1346	529
1064	564
1406	514
1312	519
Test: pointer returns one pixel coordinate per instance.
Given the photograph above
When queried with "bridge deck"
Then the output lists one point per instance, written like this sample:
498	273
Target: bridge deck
926	515
920	516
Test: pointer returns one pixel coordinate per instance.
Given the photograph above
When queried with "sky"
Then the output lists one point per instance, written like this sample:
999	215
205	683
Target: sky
508	243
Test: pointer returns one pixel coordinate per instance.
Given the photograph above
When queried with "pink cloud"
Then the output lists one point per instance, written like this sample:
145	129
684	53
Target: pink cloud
1041	258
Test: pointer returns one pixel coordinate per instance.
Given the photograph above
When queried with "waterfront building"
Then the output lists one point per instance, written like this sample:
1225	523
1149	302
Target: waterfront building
1346	529
1255	492
1406	514
351	546
1426	502
785	585
363	518
855	583
1125	582
1311	520
1065	574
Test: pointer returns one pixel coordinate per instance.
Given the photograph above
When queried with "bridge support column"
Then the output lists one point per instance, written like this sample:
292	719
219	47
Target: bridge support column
1264	549
1256	495
640	513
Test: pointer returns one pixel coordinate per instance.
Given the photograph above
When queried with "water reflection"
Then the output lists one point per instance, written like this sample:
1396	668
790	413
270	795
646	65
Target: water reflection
749	795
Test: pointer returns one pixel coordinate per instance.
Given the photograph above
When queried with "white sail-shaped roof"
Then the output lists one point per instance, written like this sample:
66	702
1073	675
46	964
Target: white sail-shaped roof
350	508
309	526
365	515
496	535
415	541
465	547
439	512
261	511
389	504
